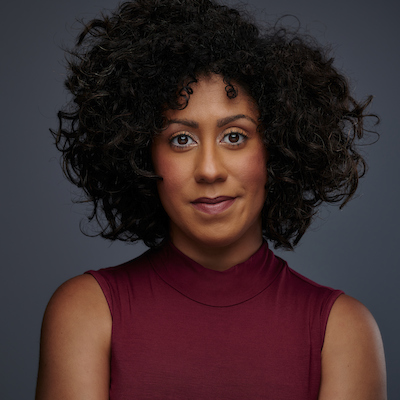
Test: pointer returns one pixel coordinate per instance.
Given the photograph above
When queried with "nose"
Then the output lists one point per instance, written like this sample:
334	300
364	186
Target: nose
210	166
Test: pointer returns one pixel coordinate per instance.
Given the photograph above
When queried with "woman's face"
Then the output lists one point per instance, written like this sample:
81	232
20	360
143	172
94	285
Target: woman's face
213	164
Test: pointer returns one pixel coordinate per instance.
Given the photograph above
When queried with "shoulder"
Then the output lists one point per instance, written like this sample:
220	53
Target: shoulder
351	325
117	281
353	365
79	297
78	309
318	296
75	342
140	265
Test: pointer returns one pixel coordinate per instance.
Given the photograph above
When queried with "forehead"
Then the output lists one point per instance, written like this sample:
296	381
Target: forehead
209	97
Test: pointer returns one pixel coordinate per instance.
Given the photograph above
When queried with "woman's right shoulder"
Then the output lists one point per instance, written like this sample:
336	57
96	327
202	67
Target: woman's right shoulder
75	342
78	306
80	296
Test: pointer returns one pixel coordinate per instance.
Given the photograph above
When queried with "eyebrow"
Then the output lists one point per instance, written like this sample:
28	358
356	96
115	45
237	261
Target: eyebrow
186	122
220	123
224	121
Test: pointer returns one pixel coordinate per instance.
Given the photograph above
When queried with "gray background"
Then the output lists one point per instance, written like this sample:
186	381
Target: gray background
355	249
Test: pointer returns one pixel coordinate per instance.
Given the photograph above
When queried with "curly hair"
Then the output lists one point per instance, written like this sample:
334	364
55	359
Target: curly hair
129	67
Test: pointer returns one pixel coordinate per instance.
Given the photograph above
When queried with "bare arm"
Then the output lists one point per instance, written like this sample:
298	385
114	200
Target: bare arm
353	364
75	343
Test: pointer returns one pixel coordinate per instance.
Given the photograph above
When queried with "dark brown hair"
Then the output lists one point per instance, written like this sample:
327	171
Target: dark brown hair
126	70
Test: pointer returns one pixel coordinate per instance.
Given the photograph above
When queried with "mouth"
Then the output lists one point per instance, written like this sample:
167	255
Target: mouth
213	206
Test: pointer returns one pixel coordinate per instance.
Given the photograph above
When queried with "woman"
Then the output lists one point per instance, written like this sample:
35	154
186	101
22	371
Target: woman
201	136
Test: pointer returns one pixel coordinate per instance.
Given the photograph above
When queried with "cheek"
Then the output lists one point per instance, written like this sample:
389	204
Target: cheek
171	172
163	164
254	170
173	175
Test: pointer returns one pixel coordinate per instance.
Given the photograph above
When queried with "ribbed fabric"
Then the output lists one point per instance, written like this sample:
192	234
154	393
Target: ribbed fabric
182	331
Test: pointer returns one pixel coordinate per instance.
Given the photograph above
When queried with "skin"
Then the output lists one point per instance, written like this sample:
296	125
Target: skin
76	332
213	148
75	343
353	362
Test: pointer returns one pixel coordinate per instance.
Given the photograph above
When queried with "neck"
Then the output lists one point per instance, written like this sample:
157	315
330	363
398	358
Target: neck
218	258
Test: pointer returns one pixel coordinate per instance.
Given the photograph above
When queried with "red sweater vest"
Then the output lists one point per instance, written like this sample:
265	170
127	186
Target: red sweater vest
182	331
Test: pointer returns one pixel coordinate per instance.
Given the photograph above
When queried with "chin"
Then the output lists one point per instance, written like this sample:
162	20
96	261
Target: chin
219	241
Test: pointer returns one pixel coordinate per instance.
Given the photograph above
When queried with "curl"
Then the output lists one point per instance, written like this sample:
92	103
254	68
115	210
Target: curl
129	67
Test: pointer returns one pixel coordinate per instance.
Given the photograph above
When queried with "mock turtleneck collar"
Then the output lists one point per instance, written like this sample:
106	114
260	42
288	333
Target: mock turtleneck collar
217	288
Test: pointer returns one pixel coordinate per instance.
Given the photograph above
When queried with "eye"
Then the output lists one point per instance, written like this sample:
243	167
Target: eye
234	138
182	140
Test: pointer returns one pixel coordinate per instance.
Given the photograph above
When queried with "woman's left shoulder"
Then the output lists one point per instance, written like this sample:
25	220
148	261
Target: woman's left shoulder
353	362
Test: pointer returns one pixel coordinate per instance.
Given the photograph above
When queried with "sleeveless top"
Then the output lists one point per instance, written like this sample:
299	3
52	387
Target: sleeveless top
182	331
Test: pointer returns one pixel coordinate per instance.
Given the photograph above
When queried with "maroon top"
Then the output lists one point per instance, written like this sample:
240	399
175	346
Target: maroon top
182	331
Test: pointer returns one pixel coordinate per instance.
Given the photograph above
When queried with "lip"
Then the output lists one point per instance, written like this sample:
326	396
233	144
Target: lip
214	205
